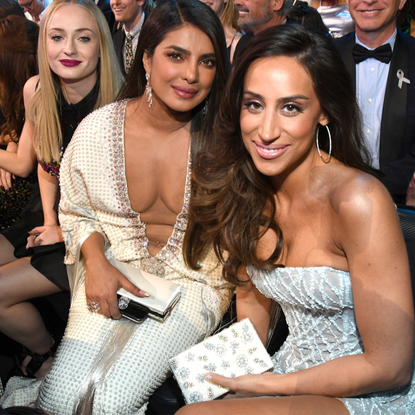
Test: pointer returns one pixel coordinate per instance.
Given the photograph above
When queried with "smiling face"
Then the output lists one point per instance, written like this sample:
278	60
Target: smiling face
279	116
216	5
182	69
375	20
72	45
127	11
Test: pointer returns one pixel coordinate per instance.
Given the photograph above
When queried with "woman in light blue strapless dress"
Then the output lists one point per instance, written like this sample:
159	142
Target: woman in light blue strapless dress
289	193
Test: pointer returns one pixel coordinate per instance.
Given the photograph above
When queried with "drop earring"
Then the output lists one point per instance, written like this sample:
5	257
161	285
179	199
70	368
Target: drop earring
149	95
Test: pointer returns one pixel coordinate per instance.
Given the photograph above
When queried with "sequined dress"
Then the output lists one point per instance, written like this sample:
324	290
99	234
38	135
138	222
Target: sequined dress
120	363
337	19
318	306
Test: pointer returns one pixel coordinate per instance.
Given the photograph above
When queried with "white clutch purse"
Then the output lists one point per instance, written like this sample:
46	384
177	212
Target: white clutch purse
235	351
164	295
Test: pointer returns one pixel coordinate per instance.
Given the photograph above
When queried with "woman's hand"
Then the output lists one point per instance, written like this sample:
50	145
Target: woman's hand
102	281
44	235
5	179
243	386
5	176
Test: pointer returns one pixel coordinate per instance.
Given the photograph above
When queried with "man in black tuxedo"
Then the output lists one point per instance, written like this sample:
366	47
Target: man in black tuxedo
381	61
130	13
257	15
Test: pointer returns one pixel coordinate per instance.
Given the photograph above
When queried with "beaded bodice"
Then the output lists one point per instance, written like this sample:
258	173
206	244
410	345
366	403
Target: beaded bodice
318	306
96	199
173	247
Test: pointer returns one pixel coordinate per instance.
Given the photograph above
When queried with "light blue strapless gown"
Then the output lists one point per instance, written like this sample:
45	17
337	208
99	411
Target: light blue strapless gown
318	306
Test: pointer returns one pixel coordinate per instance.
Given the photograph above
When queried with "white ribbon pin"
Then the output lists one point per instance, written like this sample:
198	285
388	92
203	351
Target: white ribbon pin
401	78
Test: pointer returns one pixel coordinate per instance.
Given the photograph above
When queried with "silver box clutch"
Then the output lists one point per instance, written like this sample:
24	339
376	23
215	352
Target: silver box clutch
164	294
235	351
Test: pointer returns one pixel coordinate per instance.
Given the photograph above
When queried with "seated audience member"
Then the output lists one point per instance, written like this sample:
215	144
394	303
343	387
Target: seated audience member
74	41
381	61
132	16
18	45
405	19
289	196
123	198
308	17
410	196
335	16
228	14
259	15
34	9
10	7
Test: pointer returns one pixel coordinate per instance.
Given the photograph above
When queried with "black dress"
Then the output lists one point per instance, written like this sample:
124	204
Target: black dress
21	197
48	259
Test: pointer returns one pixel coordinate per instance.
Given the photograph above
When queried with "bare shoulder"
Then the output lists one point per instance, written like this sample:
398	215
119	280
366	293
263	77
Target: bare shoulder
355	189
30	87
360	201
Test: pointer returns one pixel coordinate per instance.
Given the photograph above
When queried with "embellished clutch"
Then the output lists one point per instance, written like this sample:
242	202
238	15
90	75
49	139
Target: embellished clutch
164	295
233	352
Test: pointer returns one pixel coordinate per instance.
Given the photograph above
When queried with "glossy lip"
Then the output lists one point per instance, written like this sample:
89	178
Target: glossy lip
70	62
276	152
183	92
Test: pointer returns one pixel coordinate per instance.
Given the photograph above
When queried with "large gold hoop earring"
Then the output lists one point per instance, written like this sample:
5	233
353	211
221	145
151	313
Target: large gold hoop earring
330	144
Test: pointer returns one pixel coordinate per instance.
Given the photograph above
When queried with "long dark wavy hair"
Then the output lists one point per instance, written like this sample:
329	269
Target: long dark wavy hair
234	204
170	15
18	49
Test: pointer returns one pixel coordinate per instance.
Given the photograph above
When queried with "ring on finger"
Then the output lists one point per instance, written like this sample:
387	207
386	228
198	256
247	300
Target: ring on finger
95	307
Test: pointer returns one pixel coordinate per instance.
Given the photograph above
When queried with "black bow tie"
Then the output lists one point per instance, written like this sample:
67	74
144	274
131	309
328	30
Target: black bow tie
382	53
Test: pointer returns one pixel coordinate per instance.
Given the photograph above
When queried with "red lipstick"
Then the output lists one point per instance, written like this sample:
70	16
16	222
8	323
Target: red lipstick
70	62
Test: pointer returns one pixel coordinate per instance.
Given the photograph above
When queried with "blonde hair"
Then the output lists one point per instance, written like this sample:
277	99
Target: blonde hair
230	16
43	107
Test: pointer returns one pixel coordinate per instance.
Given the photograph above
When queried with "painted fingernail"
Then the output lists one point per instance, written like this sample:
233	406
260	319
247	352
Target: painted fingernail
208	376
145	293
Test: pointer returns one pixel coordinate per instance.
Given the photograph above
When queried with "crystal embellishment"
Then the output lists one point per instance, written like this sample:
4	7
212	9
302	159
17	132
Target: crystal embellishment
225	354
123	303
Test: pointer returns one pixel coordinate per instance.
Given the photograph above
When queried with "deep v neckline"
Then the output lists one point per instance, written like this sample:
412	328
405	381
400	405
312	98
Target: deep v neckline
174	243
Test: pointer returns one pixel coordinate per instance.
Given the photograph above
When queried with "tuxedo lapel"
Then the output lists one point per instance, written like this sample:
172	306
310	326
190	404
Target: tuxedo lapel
394	106
347	55
118	39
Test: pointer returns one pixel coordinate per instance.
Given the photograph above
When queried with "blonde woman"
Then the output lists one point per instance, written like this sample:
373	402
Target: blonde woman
77	74
228	15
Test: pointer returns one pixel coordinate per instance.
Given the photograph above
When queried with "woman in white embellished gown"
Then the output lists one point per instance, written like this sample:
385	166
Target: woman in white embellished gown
125	185
291	195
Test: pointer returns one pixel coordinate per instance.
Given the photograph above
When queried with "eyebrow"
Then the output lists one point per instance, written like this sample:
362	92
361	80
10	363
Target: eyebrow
283	99
77	30
186	52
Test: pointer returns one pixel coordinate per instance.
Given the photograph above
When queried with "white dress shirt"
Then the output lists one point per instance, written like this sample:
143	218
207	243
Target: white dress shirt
371	79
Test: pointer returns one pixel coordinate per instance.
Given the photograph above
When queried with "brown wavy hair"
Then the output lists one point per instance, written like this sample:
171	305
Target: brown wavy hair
234	204
18	46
